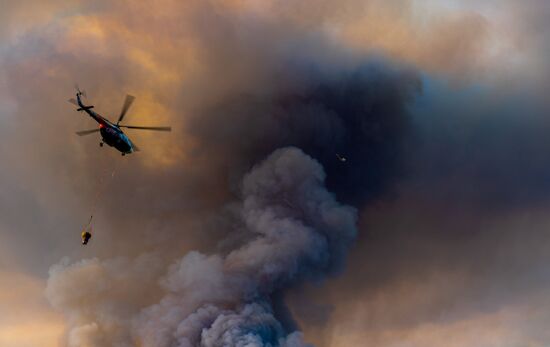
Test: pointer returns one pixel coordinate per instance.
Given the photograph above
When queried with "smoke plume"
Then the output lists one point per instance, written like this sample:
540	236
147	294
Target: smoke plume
297	231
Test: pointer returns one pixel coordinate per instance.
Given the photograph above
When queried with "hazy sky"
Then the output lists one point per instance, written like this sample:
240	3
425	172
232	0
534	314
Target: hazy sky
439	106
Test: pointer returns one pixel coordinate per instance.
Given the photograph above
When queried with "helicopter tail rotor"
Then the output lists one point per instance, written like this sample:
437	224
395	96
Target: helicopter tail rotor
80	92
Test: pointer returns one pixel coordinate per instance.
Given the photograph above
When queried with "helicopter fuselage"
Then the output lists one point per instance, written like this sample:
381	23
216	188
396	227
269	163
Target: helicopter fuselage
110	133
114	137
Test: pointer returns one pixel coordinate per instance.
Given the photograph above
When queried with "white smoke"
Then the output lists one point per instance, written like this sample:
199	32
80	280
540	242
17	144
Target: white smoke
297	231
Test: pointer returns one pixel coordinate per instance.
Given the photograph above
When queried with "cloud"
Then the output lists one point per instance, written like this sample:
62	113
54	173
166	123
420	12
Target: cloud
432	169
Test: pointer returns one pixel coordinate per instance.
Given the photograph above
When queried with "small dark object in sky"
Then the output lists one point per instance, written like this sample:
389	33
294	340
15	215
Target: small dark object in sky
86	236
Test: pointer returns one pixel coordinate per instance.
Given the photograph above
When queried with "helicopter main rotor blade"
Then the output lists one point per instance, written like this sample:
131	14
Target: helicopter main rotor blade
86	132
127	103
146	128
73	101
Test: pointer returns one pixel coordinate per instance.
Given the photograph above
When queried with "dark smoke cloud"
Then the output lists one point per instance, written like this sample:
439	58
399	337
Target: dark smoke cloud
470	241
359	113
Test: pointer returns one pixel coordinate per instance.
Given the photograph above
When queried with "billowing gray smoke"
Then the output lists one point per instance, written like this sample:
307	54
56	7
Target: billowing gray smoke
295	230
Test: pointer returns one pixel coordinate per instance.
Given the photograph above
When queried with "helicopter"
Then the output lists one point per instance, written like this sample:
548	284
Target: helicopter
111	133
